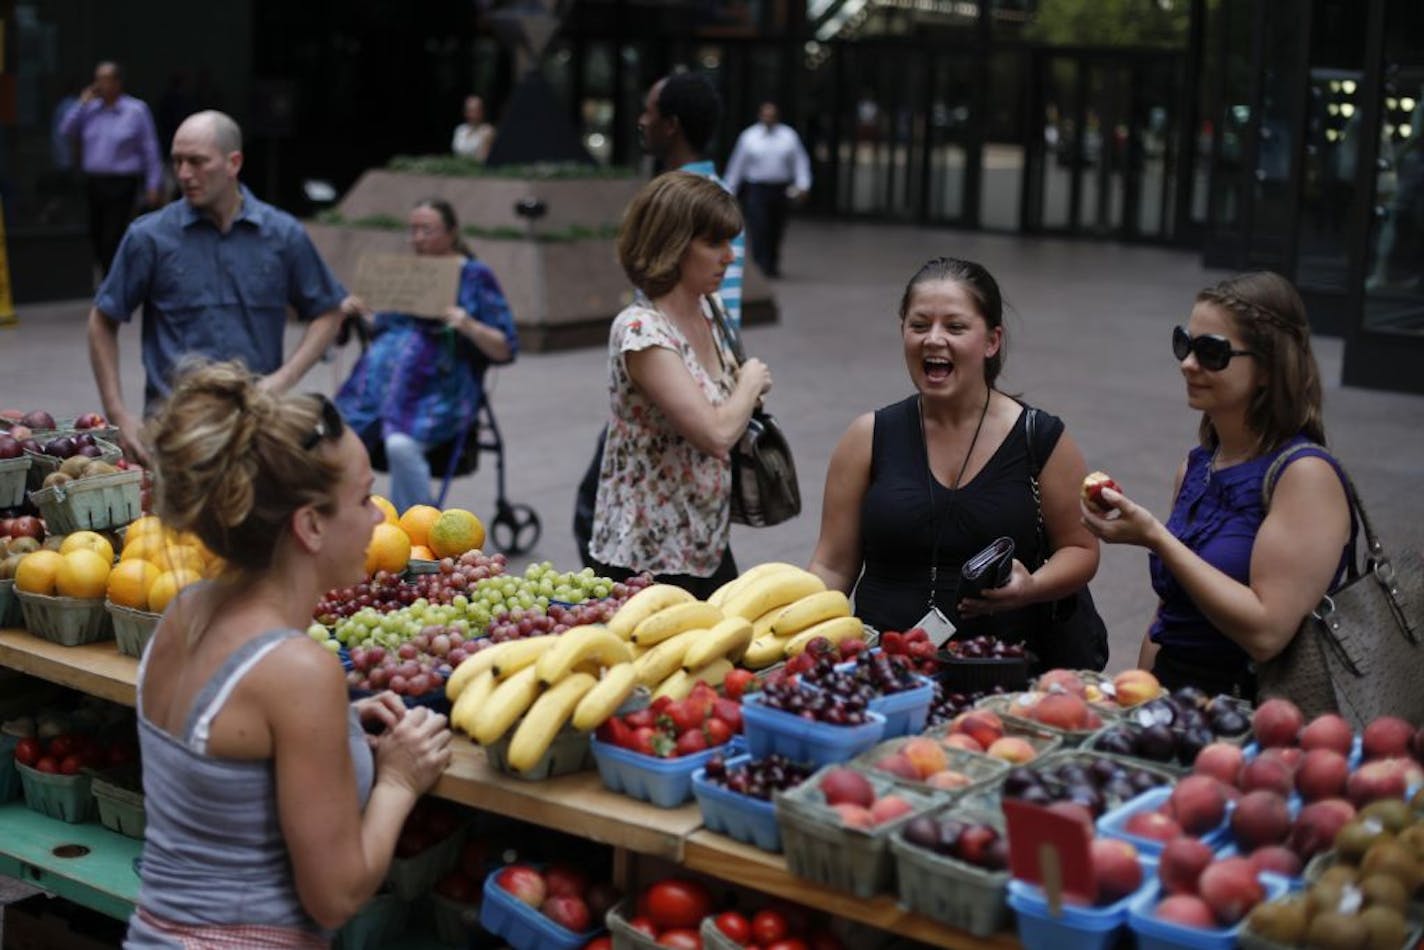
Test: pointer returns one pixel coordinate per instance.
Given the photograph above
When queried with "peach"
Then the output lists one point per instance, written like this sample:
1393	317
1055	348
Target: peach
1133	687
854	816
1260	818
842	785
1013	749
981	725
926	755
1116	870
1061	711
1220	760
1187	910
899	765
1277	722
1231	889
1384	778
1277	859
1065	681
1197	803
1288	755
1387	737
1266	773
1152	824
960	741
1182	861
948	780
1322	774
1328	732
888	808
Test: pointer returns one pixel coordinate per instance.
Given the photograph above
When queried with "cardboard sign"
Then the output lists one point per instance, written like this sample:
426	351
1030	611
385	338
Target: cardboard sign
423	286
1050	850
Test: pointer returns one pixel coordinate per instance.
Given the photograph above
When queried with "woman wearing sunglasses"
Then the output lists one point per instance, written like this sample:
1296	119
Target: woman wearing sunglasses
271	817
1235	580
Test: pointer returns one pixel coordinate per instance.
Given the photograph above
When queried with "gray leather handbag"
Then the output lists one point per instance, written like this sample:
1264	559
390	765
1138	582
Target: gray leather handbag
1358	653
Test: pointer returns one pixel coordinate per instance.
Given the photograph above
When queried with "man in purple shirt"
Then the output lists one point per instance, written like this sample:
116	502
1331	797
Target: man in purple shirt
120	157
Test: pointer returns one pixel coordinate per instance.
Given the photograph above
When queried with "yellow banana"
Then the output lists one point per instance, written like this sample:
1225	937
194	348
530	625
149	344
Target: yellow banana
506	704
674	620
679	684
520	654
544	720
728	638
581	643
471	698
836	630
603	700
481	661
763	652
720	595
660	661
644	604
809	611
774	590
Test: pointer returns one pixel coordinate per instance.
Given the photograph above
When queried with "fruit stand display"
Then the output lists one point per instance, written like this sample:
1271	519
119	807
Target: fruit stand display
763	737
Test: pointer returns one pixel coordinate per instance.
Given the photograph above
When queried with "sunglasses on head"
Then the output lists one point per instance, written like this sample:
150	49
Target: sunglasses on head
1213	351
329	424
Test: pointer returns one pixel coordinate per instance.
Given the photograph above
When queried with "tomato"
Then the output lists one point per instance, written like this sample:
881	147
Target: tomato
71	764
790	943
47	763
734	926
27	751
676	902
599	943
681	938
768	926
60	746
644	925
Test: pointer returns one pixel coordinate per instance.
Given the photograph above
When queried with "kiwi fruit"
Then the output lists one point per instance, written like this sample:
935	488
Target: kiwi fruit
1384	890
1393	858
1393	813
1356	837
1324	896
1332	930
1340	874
1282	922
1385	927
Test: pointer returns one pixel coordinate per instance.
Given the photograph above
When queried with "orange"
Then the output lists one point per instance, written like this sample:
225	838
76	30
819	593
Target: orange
144	547
167	585
37	571
455	532
419	552
416	522
82	573
175	556
129	582
143	527
387	509
389	549
90	540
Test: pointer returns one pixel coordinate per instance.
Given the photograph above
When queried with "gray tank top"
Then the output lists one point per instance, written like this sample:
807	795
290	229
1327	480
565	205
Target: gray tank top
213	851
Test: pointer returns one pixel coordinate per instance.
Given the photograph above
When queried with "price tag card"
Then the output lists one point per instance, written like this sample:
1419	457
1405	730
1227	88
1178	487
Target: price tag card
937	625
1052	851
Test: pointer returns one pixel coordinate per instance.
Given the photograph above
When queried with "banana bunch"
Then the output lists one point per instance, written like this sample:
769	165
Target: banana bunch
678	640
580	677
788	608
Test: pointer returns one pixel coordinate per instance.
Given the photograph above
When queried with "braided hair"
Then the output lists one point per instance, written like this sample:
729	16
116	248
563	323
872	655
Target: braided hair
1270	317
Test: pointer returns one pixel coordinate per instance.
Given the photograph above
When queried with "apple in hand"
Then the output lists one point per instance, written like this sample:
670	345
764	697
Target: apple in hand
1093	487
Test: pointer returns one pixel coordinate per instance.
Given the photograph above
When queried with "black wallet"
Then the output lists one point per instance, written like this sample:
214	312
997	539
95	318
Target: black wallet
988	569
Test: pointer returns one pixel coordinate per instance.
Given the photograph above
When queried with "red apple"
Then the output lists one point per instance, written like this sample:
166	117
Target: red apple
1197	803
1322	774
1116	870
1260	818
1231	889
1387	737
847	786
1278	859
1181	864
1186	910
1277	722
1328	732
524	882
561	880
1220	760
1152	824
568	912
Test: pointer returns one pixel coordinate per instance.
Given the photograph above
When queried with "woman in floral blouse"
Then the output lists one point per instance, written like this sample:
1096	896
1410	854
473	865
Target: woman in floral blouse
679	401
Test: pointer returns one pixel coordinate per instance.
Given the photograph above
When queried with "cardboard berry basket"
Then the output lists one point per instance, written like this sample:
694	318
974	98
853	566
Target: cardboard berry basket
13	476
823	850
1041	739
132	628
118	795
949	890
42	465
625	935
1014	707
416	875
569	752
980	769
68	621
10	613
62	797
97	503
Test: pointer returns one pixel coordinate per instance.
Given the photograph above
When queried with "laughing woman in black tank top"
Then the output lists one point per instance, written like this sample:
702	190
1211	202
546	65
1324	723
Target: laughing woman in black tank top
917	488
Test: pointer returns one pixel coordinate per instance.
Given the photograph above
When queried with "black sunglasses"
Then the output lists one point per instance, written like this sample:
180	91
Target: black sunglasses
329	424
1213	351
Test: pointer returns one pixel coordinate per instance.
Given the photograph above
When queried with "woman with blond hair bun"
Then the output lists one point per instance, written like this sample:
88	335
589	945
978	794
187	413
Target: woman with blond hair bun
271	817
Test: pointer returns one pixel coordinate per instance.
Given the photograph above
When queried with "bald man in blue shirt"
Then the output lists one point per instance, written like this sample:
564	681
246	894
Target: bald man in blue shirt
214	272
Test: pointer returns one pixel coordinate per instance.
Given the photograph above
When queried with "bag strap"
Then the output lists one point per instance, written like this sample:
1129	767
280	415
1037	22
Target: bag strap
1034	468
732	338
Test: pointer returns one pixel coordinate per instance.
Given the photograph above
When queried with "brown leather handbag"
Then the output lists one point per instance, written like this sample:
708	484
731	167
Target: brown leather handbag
1358	653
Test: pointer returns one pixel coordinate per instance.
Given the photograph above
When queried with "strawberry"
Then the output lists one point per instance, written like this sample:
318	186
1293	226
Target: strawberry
701	698
852	648
615	732
736	683
642	719
892	641
917	635
643	740
684	715
716	731
729	712
660	704
663	746
691	742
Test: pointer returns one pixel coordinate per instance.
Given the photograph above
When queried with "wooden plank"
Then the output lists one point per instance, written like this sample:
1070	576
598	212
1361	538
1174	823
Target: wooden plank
577	804
103	879
733	861
94	668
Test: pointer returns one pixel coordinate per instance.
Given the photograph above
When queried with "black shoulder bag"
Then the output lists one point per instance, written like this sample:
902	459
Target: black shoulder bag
1073	635
765	491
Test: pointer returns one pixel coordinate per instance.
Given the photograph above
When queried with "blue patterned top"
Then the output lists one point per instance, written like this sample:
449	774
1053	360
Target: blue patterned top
1217	515
419	376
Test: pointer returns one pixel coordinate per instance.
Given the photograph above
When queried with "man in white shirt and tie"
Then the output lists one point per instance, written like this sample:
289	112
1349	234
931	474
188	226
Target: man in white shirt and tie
769	169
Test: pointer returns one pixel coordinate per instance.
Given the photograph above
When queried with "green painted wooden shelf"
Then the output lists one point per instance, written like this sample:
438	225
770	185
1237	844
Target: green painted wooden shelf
103	878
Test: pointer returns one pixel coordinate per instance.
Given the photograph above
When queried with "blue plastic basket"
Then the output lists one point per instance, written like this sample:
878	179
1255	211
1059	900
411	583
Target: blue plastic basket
504	915
1081	928
1155	934
735	815
666	783
1357	751
803	740
1112	823
907	711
